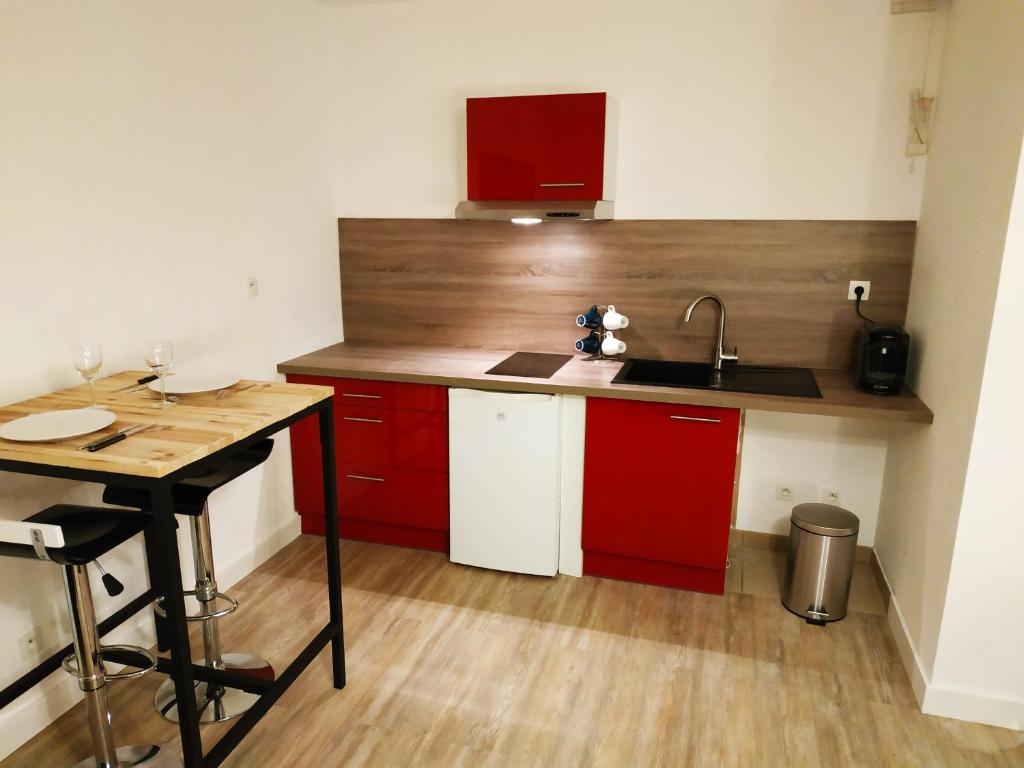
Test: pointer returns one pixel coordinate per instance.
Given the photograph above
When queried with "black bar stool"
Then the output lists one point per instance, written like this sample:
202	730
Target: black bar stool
215	703
73	537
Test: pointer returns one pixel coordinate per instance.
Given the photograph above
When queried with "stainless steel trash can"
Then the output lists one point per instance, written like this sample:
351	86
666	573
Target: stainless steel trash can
822	545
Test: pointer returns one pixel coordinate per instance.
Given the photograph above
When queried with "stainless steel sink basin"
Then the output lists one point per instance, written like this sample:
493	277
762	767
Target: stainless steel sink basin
755	379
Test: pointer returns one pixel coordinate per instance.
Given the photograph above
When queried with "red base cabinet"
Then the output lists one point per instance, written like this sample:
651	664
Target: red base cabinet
657	492
391	446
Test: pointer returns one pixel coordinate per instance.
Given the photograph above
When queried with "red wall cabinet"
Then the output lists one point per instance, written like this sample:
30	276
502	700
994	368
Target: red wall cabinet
657	492
536	147
391	446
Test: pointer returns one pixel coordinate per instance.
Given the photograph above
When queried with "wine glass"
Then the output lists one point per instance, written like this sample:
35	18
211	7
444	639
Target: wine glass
88	359
159	356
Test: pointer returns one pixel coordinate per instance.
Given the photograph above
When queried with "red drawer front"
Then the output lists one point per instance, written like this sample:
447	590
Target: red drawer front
407	439
370	393
364	392
668	494
364	435
390	495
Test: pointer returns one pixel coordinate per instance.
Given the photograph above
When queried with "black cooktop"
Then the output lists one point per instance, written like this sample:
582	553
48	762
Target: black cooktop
533	365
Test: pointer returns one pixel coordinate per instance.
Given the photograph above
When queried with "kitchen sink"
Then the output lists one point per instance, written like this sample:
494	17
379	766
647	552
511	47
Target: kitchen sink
755	379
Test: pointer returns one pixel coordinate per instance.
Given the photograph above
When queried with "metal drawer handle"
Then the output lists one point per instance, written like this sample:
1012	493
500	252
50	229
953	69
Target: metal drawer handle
696	418
365	397
550	184
364	421
365	477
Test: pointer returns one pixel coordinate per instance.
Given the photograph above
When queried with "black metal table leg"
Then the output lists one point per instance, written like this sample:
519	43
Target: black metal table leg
168	578
331	537
152	558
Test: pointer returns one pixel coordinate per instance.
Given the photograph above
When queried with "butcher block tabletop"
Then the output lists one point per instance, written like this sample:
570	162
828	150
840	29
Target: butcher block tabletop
197	426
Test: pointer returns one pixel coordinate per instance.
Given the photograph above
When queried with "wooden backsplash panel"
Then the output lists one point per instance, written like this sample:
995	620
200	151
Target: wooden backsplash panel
498	285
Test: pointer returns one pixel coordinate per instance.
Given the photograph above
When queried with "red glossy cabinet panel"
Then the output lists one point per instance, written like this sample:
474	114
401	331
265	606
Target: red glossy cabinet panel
391	444
536	147
391	495
307	471
421	440
364	435
657	496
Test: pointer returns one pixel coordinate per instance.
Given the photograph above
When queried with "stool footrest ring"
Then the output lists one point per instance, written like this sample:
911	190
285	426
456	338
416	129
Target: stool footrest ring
129	655
220	605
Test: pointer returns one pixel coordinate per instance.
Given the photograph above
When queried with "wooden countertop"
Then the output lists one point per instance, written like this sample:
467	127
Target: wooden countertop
458	367
194	428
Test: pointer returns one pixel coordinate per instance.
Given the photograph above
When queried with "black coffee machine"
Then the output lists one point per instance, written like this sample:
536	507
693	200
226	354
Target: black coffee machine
882	359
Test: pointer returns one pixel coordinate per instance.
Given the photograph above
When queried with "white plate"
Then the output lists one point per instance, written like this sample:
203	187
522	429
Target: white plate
192	384
57	425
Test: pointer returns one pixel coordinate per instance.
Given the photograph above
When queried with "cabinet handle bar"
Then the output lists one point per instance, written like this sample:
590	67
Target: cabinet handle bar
365	477
550	184
365	397
364	421
696	418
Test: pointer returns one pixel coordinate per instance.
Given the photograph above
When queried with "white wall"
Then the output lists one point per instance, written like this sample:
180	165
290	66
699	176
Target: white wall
979	652
811	454
730	109
154	156
961	241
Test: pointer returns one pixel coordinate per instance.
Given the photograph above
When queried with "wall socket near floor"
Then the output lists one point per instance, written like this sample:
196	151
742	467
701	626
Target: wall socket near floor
784	492
854	284
252	285
830	496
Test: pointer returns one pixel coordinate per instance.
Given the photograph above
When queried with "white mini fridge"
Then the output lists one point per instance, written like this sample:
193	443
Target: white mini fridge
504	451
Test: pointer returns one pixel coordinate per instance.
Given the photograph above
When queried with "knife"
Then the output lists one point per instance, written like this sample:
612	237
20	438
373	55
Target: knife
117	437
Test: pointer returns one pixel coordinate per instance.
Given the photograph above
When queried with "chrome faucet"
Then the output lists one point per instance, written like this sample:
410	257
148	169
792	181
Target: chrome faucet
719	354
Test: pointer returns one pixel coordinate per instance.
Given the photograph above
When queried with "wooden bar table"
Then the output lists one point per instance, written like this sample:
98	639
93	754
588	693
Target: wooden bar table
194	435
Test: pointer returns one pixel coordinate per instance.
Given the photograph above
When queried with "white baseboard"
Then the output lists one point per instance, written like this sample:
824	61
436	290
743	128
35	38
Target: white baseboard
42	705
908	652
975	707
945	701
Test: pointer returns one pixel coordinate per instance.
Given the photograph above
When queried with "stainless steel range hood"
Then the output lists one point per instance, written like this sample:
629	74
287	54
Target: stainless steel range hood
535	211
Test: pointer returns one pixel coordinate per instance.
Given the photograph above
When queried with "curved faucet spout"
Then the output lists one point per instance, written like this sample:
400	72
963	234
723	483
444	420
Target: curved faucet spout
699	299
720	355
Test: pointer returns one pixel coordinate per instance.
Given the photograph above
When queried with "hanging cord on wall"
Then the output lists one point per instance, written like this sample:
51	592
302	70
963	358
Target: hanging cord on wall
859	291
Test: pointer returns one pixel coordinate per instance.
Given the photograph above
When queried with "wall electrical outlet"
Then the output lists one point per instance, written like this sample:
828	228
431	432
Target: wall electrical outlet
253	286
784	492
830	496
854	284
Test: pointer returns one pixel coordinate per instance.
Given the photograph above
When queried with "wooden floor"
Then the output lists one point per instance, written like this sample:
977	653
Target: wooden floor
453	666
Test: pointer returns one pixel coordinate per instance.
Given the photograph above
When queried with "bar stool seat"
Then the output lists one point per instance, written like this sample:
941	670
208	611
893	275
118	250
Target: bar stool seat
89	532
205	604
191	494
73	536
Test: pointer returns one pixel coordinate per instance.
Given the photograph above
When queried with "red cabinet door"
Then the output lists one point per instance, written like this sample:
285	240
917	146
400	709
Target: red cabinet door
536	147
421	440
658	481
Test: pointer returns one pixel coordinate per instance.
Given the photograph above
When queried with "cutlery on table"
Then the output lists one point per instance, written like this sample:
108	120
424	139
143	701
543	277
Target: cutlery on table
117	437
